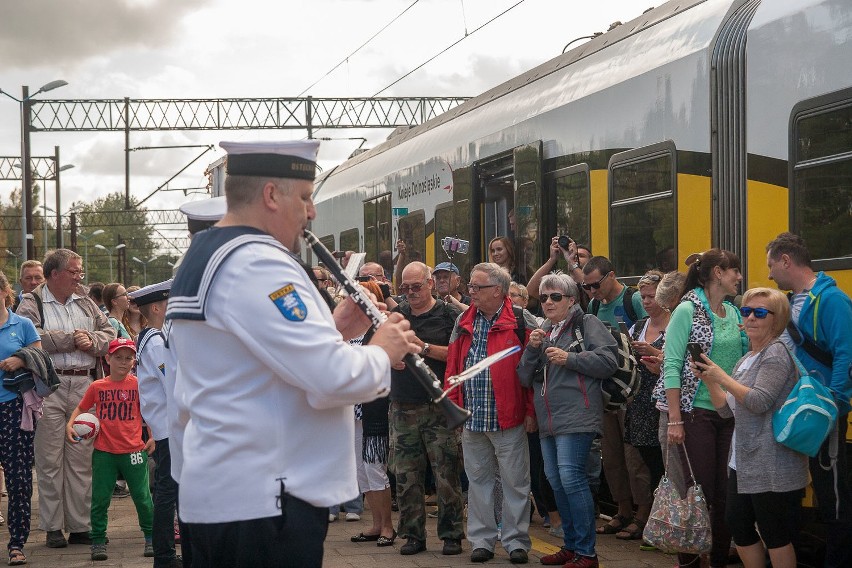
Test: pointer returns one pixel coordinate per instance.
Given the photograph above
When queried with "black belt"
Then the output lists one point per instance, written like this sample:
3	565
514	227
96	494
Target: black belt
75	372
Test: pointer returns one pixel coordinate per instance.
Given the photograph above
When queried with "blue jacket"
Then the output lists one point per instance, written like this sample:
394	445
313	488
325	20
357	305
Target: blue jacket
826	318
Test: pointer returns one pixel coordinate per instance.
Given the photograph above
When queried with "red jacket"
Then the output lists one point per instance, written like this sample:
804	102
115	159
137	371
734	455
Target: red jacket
514	402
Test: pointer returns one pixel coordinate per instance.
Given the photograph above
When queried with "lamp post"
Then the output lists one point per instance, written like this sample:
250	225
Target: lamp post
25	103
16	261
144	264
59	168
111	251
45	209
86	238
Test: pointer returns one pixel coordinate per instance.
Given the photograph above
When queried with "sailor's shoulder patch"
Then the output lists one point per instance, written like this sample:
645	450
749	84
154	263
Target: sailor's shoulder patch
289	303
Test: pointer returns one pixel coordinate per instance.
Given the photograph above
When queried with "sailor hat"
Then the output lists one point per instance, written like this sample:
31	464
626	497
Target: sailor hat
152	293
203	213
291	159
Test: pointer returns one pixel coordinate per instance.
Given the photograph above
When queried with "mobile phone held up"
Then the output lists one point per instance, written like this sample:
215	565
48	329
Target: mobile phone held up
695	350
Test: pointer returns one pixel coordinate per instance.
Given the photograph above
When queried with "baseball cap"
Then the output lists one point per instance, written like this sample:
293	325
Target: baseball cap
448	266
117	344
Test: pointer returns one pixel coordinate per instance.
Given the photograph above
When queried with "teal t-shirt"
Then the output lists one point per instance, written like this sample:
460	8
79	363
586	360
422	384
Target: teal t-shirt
17	332
729	345
612	312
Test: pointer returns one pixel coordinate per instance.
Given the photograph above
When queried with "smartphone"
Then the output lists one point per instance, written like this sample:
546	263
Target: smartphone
624	329
694	350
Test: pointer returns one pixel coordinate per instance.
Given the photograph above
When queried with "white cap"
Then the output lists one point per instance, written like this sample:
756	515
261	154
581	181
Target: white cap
211	209
291	159
152	293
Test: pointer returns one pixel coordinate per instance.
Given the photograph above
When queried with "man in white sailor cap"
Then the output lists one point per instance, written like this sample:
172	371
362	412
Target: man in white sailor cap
155	391
201	214
265	385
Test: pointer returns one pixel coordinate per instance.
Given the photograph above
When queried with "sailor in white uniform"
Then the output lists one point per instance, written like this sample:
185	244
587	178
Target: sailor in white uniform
265	379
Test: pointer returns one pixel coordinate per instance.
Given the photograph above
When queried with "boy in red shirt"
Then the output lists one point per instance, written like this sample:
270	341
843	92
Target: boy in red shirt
118	446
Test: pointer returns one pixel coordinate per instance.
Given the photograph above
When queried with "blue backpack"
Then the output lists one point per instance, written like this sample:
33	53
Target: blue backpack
807	417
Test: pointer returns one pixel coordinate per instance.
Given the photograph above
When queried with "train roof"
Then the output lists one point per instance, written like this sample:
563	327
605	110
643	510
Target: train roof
647	20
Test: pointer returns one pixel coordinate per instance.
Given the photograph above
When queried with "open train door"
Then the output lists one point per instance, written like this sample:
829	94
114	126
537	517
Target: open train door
526	220
462	191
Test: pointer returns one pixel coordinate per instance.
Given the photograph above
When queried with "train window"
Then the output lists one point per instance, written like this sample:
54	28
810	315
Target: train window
444	227
377	226
412	230
328	241
349	240
821	200
642	208
573	211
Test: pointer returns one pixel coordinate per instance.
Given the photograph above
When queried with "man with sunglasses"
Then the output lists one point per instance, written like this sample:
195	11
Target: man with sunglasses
820	336
76	333
418	429
495	437
626	473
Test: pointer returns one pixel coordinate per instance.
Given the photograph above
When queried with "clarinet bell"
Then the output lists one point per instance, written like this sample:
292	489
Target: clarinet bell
456	415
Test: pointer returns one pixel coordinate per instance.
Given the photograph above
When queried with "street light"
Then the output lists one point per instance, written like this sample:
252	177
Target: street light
25	103
16	261
111	251
45	209
86	254
144	264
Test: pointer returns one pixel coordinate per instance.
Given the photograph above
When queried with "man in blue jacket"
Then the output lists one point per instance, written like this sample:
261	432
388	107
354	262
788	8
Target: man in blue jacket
821	335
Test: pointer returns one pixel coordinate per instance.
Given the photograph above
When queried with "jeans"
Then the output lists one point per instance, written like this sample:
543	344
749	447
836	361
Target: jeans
565	458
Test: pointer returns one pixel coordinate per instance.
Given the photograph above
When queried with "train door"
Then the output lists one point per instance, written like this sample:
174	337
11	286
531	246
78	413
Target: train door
377	227
494	192
453	219
526	220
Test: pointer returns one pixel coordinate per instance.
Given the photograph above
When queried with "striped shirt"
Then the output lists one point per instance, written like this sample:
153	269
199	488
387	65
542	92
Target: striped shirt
67	317
479	390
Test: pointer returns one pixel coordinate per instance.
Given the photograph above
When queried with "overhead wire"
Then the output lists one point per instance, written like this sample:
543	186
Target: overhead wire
345	59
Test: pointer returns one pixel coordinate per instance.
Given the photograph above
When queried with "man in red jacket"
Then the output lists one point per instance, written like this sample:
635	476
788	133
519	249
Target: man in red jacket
495	438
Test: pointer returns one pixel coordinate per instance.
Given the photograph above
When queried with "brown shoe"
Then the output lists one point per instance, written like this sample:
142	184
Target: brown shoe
559	558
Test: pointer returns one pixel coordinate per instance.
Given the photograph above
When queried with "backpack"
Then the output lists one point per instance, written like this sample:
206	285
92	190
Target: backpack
627	303
807	417
620	389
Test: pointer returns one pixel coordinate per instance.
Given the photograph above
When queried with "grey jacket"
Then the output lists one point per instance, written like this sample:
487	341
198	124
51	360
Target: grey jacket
763	465
569	400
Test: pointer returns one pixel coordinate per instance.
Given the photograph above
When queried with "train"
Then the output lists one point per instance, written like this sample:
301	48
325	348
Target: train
700	123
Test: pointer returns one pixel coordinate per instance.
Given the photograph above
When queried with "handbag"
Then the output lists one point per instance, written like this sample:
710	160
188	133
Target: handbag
808	415
679	524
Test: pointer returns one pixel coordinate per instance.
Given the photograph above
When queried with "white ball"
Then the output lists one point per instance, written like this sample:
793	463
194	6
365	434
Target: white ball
87	426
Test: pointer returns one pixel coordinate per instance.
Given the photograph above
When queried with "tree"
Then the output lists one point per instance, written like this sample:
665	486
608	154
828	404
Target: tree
119	225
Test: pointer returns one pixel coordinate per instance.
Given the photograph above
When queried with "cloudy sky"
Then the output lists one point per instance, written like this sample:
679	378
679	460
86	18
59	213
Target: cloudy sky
258	48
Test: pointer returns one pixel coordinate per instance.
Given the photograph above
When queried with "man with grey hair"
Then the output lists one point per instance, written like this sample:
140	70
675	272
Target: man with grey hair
31	276
76	333
495	437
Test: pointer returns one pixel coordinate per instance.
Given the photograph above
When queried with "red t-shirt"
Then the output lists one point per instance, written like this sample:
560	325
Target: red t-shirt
117	407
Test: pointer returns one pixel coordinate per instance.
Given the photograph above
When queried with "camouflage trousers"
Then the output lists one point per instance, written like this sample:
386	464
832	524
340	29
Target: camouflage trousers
419	432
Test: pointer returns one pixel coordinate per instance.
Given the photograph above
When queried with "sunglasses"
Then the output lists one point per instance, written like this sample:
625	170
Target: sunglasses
556	297
596	285
405	288
759	313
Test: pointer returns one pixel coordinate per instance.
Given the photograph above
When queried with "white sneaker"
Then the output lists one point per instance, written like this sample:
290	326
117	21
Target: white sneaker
353	517
332	518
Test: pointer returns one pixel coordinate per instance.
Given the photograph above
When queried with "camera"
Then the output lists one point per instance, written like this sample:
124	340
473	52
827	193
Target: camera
564	241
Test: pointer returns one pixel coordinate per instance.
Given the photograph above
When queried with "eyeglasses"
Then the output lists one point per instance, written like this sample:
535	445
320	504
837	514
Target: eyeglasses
596	285
476	287
759	313
516	295
405	288
76	273
556	297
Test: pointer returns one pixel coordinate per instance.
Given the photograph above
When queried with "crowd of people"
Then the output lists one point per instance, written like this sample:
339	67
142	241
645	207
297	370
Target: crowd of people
315	407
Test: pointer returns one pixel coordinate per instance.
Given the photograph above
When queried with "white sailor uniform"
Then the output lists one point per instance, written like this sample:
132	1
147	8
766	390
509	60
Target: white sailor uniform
151	373
264	382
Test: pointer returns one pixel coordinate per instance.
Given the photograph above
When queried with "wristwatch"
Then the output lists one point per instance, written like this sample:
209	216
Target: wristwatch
426	348
575	266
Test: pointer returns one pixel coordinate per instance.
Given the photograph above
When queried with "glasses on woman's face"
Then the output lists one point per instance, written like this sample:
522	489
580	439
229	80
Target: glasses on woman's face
759	313
596	285
556	297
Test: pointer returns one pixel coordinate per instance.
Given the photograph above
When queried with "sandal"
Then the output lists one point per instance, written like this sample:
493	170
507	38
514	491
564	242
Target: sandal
385	541
361	537
610	528
16	557
631	534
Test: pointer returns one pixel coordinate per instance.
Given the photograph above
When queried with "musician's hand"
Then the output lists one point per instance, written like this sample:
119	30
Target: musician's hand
399	366
350	320
396	338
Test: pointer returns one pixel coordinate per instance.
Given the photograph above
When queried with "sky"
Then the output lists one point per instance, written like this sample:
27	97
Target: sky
109	49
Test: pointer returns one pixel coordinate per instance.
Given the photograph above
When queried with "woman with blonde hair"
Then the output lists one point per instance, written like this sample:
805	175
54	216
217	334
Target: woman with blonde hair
765	478
133	320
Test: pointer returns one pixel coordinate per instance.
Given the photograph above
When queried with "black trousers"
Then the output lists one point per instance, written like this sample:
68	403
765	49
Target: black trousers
293	539
165	505
834	499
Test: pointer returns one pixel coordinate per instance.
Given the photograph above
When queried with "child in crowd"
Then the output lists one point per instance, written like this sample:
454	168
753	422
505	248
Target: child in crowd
118	445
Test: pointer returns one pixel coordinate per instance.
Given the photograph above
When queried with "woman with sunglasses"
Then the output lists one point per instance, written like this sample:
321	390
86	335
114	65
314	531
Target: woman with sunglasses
565	369
704	317
765	479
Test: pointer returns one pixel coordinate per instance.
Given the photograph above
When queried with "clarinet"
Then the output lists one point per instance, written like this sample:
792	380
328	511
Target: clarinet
456	416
